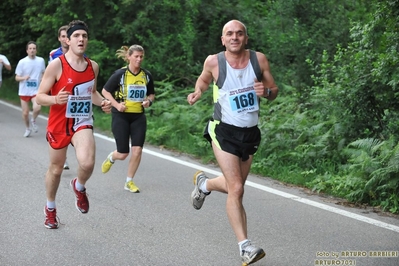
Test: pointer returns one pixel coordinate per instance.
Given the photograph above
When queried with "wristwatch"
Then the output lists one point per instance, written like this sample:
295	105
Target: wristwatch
269	92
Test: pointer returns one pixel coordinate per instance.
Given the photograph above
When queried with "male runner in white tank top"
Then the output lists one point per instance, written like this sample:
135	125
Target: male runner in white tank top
233	131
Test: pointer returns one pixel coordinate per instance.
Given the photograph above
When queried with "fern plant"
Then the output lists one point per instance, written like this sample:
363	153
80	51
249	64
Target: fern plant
376	162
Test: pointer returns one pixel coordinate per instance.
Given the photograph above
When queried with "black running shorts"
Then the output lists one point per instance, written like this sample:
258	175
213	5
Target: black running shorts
239	141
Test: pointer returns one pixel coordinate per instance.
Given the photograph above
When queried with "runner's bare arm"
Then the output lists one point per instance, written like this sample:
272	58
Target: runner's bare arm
50	76
267	78
204	80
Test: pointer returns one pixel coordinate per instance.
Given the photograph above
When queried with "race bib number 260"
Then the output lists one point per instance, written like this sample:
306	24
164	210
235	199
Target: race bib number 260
136	93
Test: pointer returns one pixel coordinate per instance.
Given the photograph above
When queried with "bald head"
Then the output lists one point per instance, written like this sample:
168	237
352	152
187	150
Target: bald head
233	25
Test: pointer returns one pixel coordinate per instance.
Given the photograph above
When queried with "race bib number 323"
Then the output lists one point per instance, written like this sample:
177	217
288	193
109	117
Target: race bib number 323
78	106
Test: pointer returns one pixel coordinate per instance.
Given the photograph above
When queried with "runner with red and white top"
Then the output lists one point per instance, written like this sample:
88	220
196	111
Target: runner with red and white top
69	88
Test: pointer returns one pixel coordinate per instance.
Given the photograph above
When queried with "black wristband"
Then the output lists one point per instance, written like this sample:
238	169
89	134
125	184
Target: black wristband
149	101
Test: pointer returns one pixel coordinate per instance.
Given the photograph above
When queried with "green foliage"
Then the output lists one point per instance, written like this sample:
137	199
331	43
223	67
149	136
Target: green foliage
9	90
289	32
359	85
362	78
174	124
377	164
99	52
295	140
14	33
342	186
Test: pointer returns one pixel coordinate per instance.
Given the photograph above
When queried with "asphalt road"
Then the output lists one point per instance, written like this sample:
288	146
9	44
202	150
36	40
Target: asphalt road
159	226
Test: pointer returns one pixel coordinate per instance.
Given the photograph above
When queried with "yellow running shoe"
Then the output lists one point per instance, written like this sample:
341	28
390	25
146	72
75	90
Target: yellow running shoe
107	164
131	186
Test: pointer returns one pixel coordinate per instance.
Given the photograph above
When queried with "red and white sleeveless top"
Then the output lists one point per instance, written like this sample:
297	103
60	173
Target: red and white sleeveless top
67	118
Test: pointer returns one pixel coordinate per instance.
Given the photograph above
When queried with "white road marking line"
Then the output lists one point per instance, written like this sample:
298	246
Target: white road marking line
275	191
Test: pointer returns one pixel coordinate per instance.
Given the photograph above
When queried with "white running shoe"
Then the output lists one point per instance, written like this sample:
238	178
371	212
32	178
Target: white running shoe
27	132
197	196
250	253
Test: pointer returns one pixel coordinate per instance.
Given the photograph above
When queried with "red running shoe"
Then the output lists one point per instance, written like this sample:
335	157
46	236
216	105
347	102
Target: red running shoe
51	221
82	202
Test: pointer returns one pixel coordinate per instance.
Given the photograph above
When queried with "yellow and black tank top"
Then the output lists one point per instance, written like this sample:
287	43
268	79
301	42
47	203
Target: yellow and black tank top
130	88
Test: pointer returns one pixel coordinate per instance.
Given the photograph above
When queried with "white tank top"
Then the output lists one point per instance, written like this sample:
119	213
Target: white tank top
237	103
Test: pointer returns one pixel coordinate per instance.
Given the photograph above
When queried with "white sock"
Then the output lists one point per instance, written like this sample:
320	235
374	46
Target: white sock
50	204
78	186
241	243
203	186
110	159
128	179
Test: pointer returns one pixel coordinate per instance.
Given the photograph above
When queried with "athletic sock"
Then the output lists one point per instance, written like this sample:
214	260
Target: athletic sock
78	186
241	243
110	159
128	179
50	204
203	187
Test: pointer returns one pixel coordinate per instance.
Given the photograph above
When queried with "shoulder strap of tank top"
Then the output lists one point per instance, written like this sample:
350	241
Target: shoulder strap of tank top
88	61
222	67
255	64
62	58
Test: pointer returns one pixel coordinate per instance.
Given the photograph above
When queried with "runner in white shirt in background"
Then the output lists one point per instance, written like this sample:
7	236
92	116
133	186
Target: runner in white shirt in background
28	73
